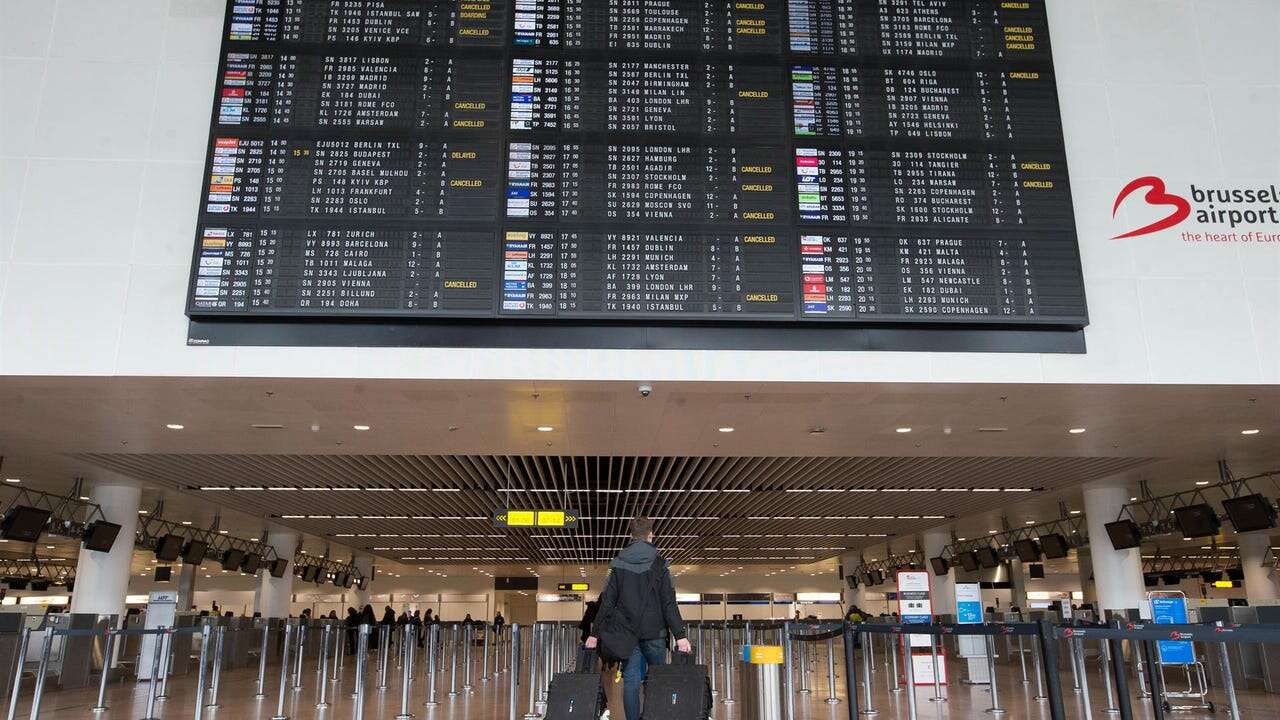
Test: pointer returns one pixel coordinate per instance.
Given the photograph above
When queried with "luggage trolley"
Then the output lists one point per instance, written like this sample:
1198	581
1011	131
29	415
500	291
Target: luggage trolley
1170	608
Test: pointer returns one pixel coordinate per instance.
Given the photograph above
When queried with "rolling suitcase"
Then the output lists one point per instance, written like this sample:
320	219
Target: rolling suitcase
577	695
680	691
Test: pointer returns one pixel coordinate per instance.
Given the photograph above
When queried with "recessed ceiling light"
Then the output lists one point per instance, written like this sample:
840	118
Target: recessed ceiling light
144	512
12	480
186	522
545	428
1030	522
1250	431
84	497
1077	431
361	428
1202	483
992	532
175	426
903	430
1075	512
726	429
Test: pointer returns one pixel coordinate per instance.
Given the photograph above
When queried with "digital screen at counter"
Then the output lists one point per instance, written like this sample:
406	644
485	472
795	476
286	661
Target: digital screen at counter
797	160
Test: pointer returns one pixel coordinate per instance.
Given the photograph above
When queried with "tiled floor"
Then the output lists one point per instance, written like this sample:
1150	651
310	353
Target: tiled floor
489	700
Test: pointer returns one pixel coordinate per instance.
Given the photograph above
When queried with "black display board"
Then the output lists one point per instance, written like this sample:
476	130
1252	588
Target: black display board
648	162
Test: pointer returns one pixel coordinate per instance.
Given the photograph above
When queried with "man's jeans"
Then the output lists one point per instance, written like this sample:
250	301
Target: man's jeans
648	652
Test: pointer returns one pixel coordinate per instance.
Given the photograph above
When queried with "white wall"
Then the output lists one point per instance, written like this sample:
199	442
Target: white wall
104	118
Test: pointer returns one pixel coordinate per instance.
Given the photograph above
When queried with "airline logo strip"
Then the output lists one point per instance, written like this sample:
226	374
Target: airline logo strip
515	271
814	268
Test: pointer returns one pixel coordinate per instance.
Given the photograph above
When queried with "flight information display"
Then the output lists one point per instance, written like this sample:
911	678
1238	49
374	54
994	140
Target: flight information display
709	160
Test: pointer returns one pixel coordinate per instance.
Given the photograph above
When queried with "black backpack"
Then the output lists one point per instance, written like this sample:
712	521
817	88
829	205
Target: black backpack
616	629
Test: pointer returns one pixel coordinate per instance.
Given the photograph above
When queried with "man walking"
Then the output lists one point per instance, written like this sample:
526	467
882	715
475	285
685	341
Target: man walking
640	589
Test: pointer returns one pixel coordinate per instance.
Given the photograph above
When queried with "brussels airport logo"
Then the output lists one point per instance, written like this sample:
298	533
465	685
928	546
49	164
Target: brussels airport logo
1249	215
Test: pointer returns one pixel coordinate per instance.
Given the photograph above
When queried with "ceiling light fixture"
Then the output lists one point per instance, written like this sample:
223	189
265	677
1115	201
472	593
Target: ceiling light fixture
726	429
1250	431
361	428
12	480
1077	431
545	428
175	426
903	430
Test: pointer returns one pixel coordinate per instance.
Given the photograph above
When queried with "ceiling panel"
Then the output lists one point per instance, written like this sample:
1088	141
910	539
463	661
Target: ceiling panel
710	509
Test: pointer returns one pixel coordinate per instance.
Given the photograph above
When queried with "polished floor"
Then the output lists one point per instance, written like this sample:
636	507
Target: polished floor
489	700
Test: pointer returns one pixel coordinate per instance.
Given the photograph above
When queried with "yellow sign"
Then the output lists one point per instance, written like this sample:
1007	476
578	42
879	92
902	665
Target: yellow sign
1224	584
573	587
508	518
762	654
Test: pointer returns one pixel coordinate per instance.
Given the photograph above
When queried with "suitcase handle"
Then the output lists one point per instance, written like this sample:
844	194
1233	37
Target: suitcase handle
684	658
588	659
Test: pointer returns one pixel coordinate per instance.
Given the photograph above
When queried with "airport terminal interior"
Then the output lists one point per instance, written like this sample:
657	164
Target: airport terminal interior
342	343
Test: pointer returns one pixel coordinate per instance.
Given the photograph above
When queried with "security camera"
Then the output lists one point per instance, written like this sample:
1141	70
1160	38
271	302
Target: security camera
645	390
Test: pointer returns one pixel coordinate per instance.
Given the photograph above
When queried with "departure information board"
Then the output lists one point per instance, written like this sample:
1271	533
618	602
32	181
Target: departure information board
878	161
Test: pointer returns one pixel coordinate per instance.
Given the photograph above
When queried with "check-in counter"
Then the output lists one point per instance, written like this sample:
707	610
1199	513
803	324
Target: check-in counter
1269	655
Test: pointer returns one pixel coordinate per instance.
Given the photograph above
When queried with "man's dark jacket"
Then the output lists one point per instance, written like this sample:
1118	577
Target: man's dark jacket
634	571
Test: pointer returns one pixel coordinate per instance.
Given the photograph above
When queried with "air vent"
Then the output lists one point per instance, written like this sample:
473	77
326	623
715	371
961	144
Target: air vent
267	426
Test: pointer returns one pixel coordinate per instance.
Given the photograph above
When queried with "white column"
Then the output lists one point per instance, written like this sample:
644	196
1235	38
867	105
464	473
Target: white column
275	595
1259	578
1117	574
187	586
944	586
102	578
360	598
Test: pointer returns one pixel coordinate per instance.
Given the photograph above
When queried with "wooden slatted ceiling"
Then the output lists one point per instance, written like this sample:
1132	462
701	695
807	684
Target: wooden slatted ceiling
710	510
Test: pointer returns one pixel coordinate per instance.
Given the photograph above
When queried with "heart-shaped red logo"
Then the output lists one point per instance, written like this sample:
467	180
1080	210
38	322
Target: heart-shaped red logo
1156	195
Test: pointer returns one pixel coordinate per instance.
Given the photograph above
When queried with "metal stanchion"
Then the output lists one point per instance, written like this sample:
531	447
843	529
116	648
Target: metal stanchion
995	708
297	661
1119	673
714	654
151	686
204	653
909	670
804	672
433	638
868	708
166	657
453	661
17	678
284	672
362	662
1075	667
831	672
406	677
216	683
937	676
468	639
1022	660
728	662
512	692
1077	649
1228	682
384	649
44	668
108	644
484	670
262	662
1111	708
534	646
1143	692
788	674
323	687
339	652
1039	670
894	687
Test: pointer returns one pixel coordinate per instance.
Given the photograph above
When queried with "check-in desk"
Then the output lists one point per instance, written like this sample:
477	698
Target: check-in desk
1269	655
1245	659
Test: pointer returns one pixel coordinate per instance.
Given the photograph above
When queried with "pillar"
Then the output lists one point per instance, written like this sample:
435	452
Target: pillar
275	594
1117	574
102	578
360	598
943	595
1017	585
187	587
1259	576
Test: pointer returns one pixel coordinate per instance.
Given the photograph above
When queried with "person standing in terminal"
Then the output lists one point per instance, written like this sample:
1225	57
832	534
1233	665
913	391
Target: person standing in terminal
639	601
353	622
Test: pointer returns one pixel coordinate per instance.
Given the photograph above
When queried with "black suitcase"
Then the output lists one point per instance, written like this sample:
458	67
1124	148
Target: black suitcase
577	695
680	691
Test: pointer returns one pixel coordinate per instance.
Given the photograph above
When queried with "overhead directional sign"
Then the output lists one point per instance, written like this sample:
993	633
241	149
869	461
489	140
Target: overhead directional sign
517	518
573	587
